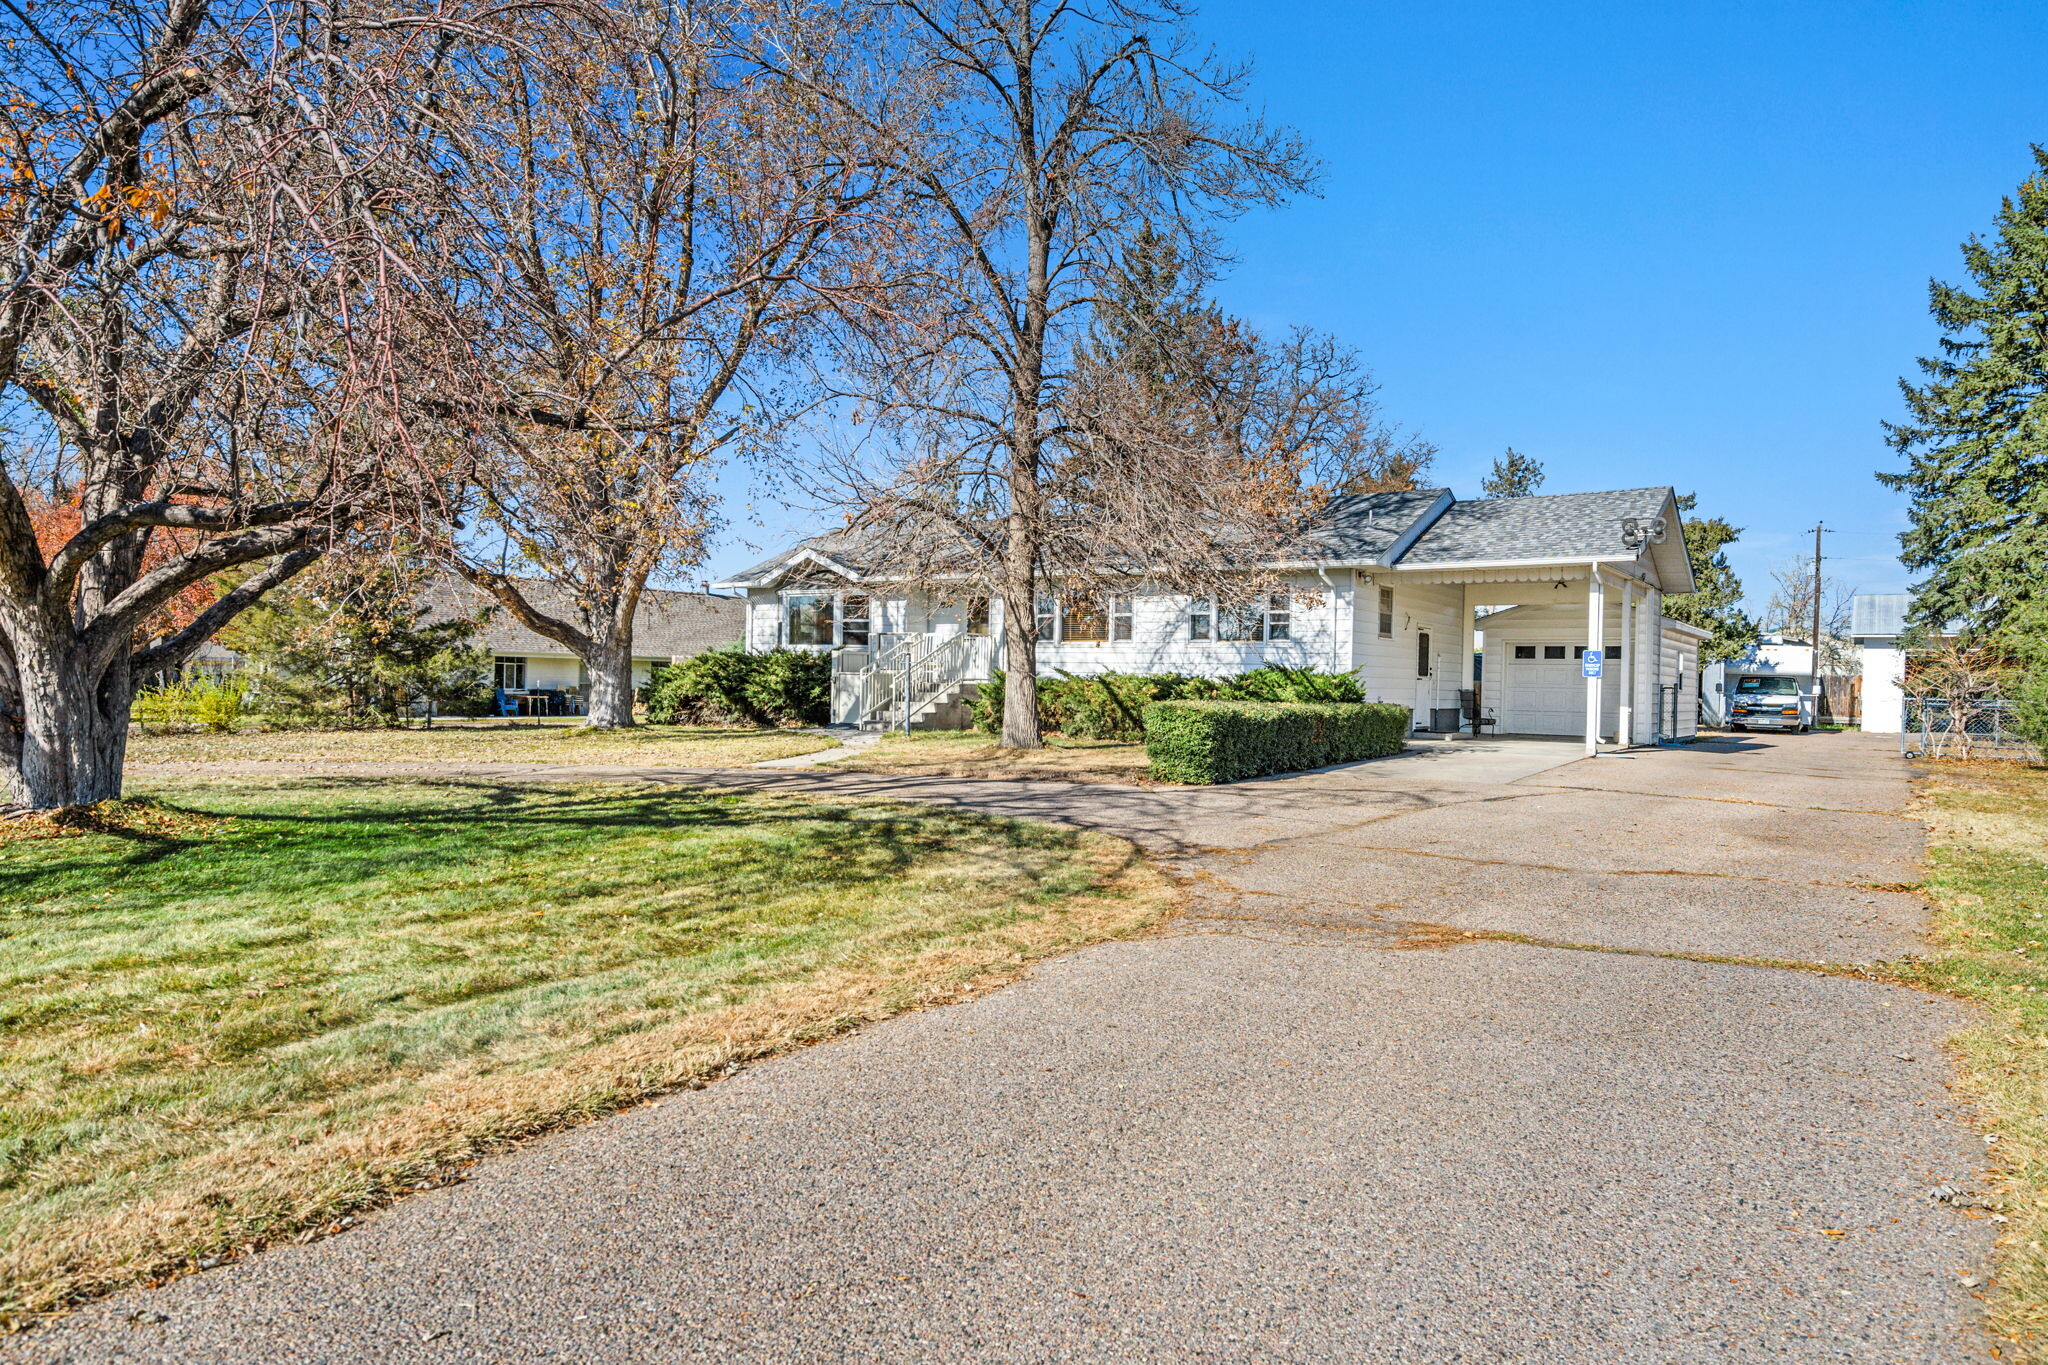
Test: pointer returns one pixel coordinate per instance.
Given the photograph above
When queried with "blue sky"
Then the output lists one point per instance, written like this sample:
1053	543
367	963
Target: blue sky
1645	244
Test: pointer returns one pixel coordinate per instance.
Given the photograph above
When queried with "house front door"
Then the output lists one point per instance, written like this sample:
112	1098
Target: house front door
1425	681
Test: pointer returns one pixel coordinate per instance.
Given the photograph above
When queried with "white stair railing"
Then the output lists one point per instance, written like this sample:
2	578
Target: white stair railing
905	677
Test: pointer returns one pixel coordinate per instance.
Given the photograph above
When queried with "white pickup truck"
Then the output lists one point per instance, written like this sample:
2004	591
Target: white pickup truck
1770	704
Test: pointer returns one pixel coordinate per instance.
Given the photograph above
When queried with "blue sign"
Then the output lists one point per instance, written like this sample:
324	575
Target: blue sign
1592	658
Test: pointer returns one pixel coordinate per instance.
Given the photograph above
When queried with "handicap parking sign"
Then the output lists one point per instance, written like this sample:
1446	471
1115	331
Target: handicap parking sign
1593	657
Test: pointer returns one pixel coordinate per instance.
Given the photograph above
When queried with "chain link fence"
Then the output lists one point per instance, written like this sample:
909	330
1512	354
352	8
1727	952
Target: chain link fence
1937	728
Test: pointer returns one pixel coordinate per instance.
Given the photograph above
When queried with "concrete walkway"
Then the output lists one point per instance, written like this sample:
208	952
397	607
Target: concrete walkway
1311	1122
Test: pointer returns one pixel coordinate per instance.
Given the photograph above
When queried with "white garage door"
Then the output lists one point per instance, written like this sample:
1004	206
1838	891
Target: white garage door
1544	691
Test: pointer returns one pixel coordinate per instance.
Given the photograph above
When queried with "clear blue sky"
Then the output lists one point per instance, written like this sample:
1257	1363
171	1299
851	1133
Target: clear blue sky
1645	244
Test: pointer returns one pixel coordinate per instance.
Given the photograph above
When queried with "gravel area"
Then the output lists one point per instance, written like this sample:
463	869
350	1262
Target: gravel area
1307	1123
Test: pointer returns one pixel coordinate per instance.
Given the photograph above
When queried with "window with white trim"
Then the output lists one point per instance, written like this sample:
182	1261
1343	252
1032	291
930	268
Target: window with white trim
1386	613
1083	620
853	620
1262	618
509	673
810	619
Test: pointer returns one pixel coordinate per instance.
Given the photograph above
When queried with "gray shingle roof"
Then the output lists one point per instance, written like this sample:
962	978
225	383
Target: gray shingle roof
668	625
1561	526
834	545
1364	526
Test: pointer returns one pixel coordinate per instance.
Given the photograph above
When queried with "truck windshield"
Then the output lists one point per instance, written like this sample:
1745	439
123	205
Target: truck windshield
1769	687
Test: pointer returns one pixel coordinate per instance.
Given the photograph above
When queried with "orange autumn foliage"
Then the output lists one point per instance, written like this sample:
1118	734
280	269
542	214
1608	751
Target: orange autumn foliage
57	520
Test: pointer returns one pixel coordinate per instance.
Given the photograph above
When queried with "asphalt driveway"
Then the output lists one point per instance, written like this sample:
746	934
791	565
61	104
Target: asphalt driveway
1313	1121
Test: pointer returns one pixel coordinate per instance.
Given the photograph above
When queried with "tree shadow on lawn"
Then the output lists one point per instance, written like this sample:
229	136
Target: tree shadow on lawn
355	830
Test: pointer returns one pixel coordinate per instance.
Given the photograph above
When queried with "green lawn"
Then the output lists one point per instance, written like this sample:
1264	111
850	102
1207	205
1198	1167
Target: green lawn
1988	880
507	741
252	1008
970	753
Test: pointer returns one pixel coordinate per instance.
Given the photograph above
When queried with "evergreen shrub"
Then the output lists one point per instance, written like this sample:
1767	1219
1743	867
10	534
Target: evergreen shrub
732	687
1207	742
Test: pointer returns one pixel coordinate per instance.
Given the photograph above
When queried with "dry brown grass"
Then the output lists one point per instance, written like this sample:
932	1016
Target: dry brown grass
668	937
511	741
973	754
1988	881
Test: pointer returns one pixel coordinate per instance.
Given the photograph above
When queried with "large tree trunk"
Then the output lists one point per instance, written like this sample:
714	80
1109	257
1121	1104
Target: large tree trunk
611	685
70	738
1020	609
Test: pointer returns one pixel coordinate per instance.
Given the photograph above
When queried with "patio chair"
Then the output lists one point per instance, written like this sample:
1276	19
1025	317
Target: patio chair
503	704
1468	702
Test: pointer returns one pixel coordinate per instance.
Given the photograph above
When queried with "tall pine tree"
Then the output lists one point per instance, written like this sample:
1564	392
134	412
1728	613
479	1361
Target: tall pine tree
1716	601
1977	439
1514	475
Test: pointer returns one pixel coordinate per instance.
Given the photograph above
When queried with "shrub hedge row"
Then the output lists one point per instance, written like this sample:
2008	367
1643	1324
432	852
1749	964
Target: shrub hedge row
1112	705
729	687
1228	741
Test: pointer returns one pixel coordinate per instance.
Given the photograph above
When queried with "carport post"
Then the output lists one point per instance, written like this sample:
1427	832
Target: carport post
1625	729
1596	624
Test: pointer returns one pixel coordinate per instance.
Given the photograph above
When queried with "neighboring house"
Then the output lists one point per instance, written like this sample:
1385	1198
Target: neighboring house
668	627
1876	621
1773	656
1388	587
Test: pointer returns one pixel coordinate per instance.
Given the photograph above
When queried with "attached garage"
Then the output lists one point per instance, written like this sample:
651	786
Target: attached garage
1533	678
1543	687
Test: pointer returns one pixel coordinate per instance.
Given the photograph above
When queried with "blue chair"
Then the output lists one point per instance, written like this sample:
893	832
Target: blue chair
504	705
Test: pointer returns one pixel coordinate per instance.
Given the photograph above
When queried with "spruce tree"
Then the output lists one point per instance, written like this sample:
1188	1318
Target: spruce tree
1977	439
1716	601
1514	475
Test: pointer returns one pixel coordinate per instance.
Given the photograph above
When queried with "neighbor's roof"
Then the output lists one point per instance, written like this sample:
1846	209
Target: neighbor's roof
668	625
1559	526
1878	613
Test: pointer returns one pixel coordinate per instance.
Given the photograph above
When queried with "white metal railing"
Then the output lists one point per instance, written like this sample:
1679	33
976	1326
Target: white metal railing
901	677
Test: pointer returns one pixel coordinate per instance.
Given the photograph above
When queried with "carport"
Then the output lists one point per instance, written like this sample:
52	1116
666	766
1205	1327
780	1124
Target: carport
1534	680
1567	593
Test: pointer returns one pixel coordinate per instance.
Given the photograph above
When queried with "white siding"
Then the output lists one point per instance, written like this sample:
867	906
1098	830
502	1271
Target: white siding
1160	643
565	671
1884	688
764	618
1387	668
1680	665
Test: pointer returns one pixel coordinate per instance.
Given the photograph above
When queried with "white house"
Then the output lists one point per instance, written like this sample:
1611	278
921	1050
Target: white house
668	627
1876	621
1389	587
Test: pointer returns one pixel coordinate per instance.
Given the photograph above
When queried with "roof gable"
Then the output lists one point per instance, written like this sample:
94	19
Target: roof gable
1559	526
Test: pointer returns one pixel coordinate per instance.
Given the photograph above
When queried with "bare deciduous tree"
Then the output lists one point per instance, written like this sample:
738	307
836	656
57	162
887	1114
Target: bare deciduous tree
1054	134
637	251
200	312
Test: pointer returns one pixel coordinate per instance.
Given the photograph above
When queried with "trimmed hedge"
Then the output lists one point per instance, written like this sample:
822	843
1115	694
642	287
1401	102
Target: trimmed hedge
1227	741
1111	705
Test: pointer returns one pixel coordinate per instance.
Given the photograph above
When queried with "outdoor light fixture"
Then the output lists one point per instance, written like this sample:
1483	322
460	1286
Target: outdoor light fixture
1638	531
